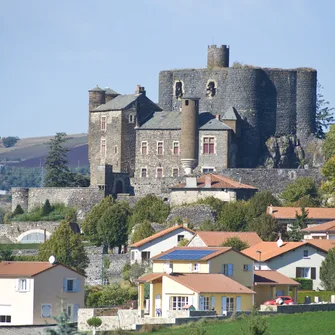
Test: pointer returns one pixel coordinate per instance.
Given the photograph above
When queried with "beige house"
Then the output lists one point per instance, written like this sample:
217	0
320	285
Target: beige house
33	293
210	185
323	231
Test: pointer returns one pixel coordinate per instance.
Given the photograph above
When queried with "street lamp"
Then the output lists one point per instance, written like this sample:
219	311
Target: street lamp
259	259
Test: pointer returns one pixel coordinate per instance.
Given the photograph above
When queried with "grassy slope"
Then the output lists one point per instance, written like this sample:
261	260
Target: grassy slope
317	323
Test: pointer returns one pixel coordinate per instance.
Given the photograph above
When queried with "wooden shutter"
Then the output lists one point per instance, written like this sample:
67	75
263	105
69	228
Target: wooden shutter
75	312
238	304
297	272
313	273
230	269
224	305
213	302
65	285
77	289
202	303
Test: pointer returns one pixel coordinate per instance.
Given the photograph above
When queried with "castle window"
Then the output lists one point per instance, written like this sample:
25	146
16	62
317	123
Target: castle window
131	118
144	148
176	148
144	173
208	145
103	123
179	89
159	172
175	172
208	169
103	147
211	90
160	150
186	102
115	149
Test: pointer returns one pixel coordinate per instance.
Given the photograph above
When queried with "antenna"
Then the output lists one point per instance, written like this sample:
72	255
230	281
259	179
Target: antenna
52	259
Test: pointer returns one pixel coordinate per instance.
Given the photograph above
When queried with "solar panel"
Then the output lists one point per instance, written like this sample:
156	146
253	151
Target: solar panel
186	254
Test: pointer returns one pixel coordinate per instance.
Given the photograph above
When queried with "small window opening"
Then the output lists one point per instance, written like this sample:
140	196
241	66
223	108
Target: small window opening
179	89
211	90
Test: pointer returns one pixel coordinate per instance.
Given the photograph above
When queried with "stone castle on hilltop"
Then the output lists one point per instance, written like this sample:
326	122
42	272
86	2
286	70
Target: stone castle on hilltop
206	120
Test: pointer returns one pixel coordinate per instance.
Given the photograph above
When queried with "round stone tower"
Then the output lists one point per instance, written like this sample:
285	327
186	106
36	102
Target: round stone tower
110	94
96	97
218	57
189	133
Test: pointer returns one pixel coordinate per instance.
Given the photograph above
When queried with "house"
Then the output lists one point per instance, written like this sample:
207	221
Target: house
323	231
285	215
219	279
33	293
216	238
153	245
292	259
210	185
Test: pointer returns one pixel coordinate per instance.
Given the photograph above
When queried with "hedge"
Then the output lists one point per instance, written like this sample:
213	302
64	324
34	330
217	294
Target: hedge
306	284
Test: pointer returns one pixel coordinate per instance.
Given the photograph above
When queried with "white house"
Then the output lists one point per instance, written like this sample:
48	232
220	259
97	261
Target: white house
32	293
292	259
324	231
153	245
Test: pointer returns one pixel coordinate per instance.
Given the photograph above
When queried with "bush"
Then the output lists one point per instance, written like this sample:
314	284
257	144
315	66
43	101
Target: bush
306	284
18	210
47	209
94	322
9	141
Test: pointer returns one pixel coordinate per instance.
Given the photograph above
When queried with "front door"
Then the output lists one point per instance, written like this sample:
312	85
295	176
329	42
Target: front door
70	310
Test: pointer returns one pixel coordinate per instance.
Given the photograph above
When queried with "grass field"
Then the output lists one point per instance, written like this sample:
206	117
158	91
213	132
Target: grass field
317	323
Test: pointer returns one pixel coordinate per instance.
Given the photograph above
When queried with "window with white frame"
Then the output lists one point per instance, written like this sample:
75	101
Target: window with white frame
178	303
302	272
208	169
159	172
160	149
206	303
131	118
175	148
175	172
144	148
305	253
22	285
230	304
46	311
228	269
103	147
144	173
208	146
5	318
195	267
103	123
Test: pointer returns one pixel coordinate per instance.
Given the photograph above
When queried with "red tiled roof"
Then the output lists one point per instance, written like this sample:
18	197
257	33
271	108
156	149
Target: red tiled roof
26	269
270	250
216	238
322	228
149	277
290	212
159	234
216	181
209	283
270	277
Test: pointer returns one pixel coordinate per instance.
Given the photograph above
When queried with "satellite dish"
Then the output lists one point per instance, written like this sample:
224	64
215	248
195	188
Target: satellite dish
52	259
279	242
169	270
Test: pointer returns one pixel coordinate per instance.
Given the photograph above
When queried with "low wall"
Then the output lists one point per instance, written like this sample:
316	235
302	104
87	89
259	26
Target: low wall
290	309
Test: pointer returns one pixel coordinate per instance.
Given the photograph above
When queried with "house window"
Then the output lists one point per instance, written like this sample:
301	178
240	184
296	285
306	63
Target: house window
175	172
208	169
70	285
178	303
302	272
133	255
159	148
144	148
195	267
144	173
103	147
208	145
176	148
159	172
103	123
180	237
206	303
46	311
131	118
179	89
228	269
145	256
230	304
247	267
5	318
305	253
23	287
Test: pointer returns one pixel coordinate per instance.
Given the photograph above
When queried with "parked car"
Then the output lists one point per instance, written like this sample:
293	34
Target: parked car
280	300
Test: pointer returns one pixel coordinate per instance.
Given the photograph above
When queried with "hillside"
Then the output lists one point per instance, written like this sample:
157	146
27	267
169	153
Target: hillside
30	152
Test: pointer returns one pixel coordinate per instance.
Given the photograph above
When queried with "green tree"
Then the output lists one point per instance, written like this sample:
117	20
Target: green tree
46	209
328	146
90	224
64	326
6	254
18	210
208	225
301	188
66	246
327	271
56	163
235	243
9	141
142	231
150	208
112	227
95	323
265	226
295	234
324	114
131	272
233	217
328	172
258	204
215	203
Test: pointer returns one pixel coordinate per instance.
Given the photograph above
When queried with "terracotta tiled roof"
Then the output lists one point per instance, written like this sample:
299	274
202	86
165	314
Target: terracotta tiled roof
209	283
290	212
270	277
216	181
149	277
159	234
26	269
270	250
216	238
322	228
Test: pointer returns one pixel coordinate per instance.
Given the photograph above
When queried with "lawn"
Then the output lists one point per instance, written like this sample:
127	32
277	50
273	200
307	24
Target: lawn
317	323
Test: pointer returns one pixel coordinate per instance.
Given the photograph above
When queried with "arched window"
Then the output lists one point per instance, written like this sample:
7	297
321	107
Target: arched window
33	236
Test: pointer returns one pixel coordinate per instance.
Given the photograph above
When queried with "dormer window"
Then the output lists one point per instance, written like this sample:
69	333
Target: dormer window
179	89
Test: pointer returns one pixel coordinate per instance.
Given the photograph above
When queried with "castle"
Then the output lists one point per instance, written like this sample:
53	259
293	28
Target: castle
206	120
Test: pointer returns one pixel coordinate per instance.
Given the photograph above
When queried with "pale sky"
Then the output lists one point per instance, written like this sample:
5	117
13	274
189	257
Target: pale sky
53	52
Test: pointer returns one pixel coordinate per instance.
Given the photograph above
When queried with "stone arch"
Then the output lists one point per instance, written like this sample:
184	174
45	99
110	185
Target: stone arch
33	236
119	187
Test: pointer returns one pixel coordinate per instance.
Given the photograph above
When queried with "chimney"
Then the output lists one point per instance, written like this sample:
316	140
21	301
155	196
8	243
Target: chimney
208	181
270	209
140	90
191	182
218	117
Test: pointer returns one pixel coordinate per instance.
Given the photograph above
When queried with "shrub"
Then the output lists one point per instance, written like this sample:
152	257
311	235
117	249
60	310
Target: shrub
47	209
18	210
306	284
94	322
